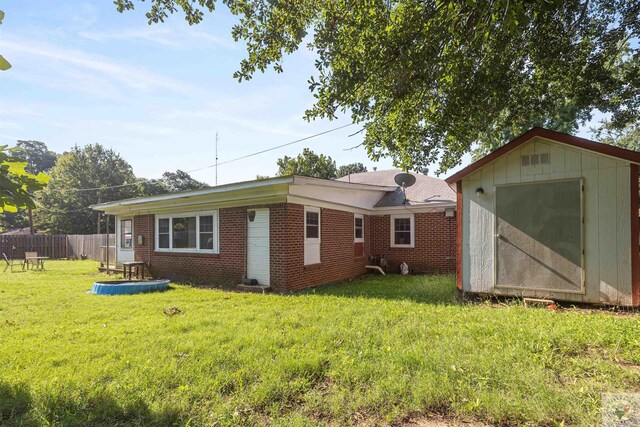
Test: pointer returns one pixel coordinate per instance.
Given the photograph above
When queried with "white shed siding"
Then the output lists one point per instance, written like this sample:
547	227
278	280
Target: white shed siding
607	237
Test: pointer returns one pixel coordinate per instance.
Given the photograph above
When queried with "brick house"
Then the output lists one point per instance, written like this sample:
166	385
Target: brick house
289	232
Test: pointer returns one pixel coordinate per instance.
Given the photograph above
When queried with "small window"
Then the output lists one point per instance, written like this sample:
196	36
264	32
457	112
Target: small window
535	160
312	235
526	161
163	233
126	234
312	225
402	231
544	158
358	228
206	232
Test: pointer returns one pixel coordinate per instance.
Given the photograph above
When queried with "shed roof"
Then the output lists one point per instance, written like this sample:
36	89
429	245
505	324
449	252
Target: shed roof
427	189
586	144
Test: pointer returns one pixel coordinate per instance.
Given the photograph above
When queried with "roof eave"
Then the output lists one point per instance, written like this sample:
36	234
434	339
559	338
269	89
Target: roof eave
563	138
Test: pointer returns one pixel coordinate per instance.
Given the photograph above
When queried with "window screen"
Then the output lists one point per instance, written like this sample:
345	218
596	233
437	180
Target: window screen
163	233
358	227
539	235
402	231
312	225
126	234
206	232
184	232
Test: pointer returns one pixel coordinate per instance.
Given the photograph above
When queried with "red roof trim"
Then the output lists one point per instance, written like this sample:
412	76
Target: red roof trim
635	238
609	150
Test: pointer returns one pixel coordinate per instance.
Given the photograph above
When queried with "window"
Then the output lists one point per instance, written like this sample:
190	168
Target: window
183	231
192	232
206	232
126	234
163	233
358	228
312	235
312	225
402	231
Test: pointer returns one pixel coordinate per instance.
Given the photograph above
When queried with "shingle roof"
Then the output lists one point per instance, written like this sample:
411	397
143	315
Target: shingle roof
427	189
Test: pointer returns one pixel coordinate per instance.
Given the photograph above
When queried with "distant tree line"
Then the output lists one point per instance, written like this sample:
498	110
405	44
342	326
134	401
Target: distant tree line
79	178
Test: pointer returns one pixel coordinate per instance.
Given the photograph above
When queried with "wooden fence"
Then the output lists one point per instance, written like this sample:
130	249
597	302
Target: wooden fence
91	246
57	246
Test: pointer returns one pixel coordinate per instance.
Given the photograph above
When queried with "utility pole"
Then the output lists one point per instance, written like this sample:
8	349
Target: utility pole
216	159
98	228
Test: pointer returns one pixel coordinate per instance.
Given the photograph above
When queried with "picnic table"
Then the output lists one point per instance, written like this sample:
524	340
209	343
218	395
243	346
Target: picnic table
36	261
129	265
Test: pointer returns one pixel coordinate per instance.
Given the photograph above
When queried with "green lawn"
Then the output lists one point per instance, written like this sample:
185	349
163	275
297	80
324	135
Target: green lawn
371	352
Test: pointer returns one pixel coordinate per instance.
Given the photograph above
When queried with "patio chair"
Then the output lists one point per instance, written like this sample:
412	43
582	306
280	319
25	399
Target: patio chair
28	255
12	262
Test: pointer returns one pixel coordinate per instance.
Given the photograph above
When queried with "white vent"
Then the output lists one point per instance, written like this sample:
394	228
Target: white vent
535	159
544	158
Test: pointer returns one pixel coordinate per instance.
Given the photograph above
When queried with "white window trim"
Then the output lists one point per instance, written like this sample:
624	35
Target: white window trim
119	231
356	239
312	239
393	230
216	232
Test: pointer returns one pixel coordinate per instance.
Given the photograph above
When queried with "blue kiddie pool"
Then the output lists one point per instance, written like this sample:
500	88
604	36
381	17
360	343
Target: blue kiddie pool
128	287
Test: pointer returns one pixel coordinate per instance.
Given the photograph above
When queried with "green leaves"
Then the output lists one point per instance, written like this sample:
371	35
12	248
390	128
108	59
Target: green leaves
16	183
4	64
429	80
308	163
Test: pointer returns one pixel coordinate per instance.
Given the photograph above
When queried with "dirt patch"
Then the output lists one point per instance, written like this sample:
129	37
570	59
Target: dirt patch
440	421
630	366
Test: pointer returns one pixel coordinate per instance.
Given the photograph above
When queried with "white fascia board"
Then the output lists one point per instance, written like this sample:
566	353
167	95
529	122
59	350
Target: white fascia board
307	201
421	208
265	186
305	180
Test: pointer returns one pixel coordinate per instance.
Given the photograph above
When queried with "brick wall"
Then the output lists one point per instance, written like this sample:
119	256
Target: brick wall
435	243
434	251
337	249
223	269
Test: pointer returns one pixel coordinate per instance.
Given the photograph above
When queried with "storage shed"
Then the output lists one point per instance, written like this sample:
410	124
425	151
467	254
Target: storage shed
550	215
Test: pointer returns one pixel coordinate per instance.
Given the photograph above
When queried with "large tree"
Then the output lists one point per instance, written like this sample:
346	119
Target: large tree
428	79
351	168
80	178
37	154
180	181
308	163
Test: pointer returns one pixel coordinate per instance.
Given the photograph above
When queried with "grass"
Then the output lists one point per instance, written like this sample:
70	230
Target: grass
369	352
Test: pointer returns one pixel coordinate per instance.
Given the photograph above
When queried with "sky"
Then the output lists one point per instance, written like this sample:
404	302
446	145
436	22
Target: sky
83	73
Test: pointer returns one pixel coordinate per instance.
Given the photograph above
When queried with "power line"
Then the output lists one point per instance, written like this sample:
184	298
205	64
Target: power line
272	148
217	164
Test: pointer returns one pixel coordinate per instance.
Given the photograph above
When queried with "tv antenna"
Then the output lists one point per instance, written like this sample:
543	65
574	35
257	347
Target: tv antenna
404	180
216	159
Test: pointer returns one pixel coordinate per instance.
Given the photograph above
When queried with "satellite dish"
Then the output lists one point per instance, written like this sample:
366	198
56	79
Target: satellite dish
405	180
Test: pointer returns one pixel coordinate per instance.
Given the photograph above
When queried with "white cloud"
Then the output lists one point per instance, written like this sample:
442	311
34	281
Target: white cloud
165	35
87	72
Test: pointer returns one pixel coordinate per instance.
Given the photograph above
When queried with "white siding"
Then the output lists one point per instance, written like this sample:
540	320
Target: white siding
258	261
607	237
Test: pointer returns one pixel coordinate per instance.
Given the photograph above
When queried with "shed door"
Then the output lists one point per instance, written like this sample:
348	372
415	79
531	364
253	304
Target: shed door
539	236
258	245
